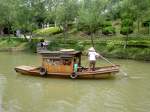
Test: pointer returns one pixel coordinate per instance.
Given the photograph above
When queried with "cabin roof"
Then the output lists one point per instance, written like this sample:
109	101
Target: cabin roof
61	54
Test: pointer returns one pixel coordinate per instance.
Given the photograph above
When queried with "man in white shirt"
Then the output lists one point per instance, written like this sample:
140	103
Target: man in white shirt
92	58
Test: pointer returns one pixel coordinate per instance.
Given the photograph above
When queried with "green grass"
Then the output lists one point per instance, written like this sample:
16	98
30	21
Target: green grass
47	31
137	47
111	47
8	43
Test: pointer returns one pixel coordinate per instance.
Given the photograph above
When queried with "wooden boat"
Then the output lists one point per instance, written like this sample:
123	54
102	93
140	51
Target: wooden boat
60	64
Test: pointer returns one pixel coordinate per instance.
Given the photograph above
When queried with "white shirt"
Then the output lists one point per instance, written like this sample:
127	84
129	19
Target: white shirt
92	55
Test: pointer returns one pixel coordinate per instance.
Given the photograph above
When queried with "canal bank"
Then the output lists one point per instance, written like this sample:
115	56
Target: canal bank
137	49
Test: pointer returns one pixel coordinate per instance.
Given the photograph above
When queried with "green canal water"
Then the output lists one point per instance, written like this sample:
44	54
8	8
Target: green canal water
21	93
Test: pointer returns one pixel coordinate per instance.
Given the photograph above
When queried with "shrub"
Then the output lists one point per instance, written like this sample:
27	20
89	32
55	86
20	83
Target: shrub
146	23
127	26
53	46
36	40
140	44
126	30
47	31
119	53
110	46
108	30
33	44
107	23
79	46
140	54
127	22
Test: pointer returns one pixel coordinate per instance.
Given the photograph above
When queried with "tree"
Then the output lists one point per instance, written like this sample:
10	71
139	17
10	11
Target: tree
140	9
8	13
136	9
66	11
51	6
2	17
113	8
126	28
24	18
39	11
91	16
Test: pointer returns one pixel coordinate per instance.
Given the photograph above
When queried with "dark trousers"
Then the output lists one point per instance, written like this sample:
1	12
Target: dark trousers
92	65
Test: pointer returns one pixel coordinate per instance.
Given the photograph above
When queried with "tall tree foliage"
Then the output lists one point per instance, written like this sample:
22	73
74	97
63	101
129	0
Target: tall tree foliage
8	13
25	17
140	9
66	12
91	16
127	18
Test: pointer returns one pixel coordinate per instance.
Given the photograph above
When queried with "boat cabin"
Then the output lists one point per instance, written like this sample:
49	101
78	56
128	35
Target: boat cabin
60	61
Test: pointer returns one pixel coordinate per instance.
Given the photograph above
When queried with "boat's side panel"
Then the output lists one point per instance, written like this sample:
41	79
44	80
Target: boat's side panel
57	68
98	76
26	72
87	74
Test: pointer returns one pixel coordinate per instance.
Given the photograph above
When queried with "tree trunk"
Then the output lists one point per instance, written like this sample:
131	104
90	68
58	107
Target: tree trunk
9	34
64	34
25	36
1	31
30	36
92	42
149	28
126	40
138	25
65	31
55	23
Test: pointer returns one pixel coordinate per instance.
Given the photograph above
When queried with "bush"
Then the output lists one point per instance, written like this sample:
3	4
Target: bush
33	44
36	40
139	54
108	30
47	31
110	46
83	27
127	22
126	30
146	23
107	23
118	53
139	44
127	26
54	46
79	46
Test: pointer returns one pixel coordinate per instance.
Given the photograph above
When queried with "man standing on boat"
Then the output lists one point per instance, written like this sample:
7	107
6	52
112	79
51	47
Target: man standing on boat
92	58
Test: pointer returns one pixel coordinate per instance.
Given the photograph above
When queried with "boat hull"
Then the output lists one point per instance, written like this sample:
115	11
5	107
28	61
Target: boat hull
101	72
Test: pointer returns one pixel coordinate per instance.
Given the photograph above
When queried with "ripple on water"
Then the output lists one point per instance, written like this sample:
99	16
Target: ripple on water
2	76
113	101
124	94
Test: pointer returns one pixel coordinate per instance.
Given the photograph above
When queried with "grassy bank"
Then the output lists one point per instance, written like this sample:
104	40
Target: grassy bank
18	44
137	48
106	50
13	44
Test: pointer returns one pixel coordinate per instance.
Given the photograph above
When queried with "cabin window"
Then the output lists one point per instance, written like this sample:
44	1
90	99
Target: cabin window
56	62
66	62
49	61
52	61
